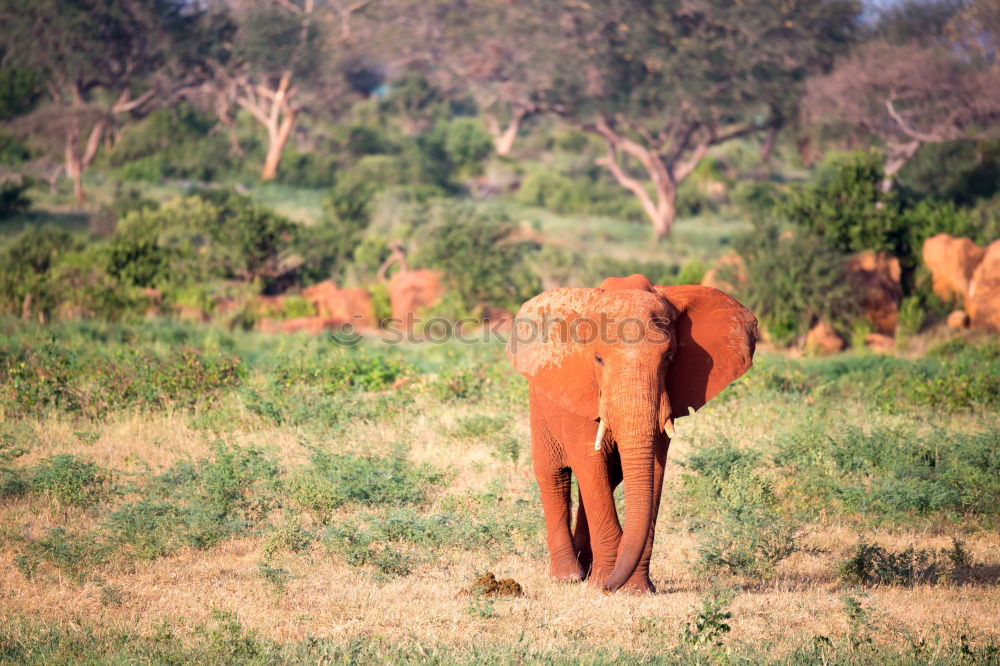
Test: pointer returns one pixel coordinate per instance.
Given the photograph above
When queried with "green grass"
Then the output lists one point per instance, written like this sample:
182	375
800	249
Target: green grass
406	464
225	640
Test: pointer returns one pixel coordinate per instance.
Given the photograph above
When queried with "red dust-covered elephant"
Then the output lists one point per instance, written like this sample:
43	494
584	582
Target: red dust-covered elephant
608	370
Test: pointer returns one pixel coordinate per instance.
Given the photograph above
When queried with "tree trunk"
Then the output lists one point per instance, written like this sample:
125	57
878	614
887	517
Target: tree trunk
665	212
276	146
74	168
897	158
503	139
770	139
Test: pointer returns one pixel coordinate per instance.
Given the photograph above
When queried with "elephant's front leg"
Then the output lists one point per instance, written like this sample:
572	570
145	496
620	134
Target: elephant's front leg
600	517
554	486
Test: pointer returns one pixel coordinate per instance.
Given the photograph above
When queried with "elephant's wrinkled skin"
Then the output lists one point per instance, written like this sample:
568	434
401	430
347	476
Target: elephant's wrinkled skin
585	368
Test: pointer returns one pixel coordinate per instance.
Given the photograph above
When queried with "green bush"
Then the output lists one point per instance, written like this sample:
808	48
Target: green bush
335	373
736	512
586	192
962	172
174	142
198	504
693	272
889	474
847	208
95	381
467	145
69	480
75	554
793	280
20	91
553	191
473	249
849	211
871	564
12	149
378	538
334	479
13	198
49	272
216	234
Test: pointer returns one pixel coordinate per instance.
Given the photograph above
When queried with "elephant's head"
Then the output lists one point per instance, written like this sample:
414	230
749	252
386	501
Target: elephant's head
632	357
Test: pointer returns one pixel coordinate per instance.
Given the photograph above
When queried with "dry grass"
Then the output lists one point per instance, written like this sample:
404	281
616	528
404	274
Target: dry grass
326	598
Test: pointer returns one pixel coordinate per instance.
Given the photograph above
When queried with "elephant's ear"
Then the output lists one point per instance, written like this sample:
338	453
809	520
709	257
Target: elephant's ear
545	346
716	337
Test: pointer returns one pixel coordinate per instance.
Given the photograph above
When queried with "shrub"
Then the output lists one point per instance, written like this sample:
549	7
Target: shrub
28	259
849	211
13	198
467	145
96	381
736	513
174	142
479	426
473	249
888	474
693	272
962	172
69	480
72	553
871	564
335	479
911	317
20	91
216	234
711	621
752	536
553	191
12	149
847	208
335	373
198	504
792	281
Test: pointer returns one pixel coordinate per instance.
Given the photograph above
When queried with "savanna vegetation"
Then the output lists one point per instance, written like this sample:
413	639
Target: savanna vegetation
177	485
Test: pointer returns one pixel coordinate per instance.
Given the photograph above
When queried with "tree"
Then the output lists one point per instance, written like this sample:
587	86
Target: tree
495	52
661	83
102	62
279	50
977	28
907	96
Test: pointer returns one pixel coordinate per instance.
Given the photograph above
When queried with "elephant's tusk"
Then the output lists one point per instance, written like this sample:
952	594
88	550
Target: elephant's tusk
600	435
668	427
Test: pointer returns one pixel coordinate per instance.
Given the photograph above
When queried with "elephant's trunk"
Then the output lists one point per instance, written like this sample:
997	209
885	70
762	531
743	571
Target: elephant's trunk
634	427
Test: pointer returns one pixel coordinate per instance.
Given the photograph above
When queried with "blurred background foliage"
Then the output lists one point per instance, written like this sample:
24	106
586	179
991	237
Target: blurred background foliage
259	147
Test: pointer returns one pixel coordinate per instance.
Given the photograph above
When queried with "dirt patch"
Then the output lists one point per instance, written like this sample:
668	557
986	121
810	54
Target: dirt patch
487	585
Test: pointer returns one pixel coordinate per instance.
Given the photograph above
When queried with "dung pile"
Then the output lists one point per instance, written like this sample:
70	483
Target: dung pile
487	585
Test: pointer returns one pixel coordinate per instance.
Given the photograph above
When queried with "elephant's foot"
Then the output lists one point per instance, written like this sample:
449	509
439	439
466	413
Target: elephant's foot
566	570
599	574
639	583
586	559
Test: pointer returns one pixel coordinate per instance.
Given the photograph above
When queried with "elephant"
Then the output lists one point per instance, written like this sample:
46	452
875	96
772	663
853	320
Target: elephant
608	370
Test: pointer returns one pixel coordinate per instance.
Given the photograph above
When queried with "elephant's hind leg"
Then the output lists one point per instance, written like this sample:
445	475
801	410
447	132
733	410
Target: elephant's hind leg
581	537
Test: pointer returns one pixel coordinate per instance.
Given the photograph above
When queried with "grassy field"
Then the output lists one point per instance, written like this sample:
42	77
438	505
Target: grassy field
177	493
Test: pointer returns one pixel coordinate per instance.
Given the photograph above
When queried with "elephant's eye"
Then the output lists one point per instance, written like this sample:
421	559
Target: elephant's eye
597	357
